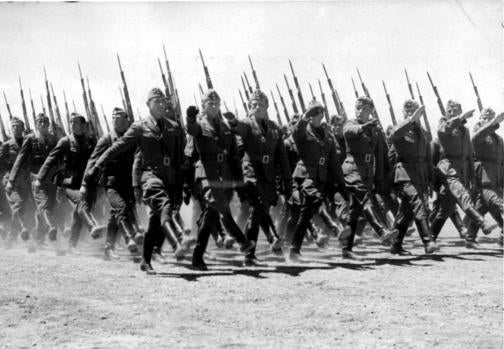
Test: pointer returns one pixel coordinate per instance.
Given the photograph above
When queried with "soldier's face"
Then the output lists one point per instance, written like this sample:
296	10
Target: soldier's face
363	112
259	109
316	120
78	127
453	112
157	107
212	108
43	126
121	123
338	128
17	130
487	118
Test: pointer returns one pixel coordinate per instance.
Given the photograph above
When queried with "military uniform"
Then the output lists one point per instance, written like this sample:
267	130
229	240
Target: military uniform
33	152
455	172
217	171
264	157
20	197
489	168
413	173
73	152
316	172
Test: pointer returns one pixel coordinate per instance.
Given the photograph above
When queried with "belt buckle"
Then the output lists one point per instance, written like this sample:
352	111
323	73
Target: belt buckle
220	157
265	159
166	161
321	161
367	158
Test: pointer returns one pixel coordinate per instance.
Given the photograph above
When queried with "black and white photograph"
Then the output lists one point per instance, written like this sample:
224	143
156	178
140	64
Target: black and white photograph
239	174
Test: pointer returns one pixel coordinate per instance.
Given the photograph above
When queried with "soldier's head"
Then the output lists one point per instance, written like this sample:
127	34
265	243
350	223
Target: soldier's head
364	107
42	124
17	127
211	103
487	115
315	113
285	131
157	103
258	105
78	124
337	122
453	109
409	108
120	120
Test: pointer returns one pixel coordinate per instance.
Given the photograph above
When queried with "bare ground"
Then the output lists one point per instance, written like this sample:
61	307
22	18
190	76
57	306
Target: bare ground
450	300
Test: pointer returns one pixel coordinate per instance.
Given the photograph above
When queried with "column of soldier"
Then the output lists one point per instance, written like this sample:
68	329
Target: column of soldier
346	172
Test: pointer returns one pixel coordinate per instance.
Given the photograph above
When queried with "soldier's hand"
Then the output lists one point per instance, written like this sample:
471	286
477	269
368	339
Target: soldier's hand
9	187
83	192
368	126
191	113
468	114
90	176
499	118
36	184
229	116
418	113
137	191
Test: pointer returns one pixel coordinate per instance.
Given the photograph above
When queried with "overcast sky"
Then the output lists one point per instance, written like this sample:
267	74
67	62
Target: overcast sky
448	38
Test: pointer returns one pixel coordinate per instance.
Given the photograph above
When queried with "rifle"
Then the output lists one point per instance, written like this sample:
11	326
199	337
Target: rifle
409	85
276	108
201	90
32	107
129	110
122	99
207	74
23	105
7	105
2	130
58	114
391	109
439	102
322	94
94	114
311	92
243	102
84	95
195	101
43	106
354	89
105	119
337	102
139	114
163	77
291	94
283	104
426	121
75	109
254	74
366	92
174	92
67	112
296	83
245	88
48	98
248	84
478	99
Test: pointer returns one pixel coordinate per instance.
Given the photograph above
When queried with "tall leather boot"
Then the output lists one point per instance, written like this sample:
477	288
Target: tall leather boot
332	224
274	240
426	235
53	231
200	248
234	230
90	222
436	226
458	223
347	241
397	242
130	232
386	235
171	236
486	226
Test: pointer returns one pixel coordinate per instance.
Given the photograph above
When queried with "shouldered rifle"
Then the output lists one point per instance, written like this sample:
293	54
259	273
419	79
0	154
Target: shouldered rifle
67	115
122	99
335	97
254	74
235	107
105	119
163	77
201	90
311	92
174	92
410	88
439	102
2	130
355	89
23	105
478	99
169	82
426	121
129	109
366	92
195	101
391	108
245	88
74	109
43	106
322	95
207	74
291	94
299	93
48	99
32	107
276	108
84	94
7	105
58	114
251	90
95	121
286	113
243	102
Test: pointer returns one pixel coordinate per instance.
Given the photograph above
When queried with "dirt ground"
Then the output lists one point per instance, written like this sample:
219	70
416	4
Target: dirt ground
449	300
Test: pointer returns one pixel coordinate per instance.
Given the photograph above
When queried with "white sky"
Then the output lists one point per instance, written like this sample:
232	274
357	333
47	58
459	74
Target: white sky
448	38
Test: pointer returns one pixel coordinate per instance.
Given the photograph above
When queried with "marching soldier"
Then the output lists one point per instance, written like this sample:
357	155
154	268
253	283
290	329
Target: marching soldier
264	156
316	172
35	149
218	169
362	146
73	151
412	176
18	196
160	142
117	179
455	170
489	167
